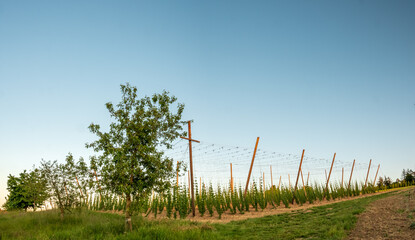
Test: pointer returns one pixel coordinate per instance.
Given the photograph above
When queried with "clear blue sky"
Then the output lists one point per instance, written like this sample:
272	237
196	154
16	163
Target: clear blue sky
327	76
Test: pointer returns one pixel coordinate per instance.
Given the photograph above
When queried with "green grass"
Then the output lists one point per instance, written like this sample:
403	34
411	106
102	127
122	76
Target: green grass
325	222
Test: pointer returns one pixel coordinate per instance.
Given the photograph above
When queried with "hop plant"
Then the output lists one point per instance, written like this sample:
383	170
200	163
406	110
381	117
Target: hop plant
261	197
255	196
169	204
200	200
218	202
210	200
183	203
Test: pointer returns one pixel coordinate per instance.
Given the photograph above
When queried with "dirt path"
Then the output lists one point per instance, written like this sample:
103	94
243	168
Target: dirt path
388	218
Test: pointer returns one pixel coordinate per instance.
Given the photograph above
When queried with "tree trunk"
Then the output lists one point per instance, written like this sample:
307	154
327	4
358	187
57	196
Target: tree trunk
128	224
62	212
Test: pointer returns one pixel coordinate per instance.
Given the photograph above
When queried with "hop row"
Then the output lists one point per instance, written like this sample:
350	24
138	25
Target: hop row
211	201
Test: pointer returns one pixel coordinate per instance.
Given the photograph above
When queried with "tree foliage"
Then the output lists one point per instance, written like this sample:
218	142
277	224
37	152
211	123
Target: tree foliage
29	189
131	161
61	180
408	175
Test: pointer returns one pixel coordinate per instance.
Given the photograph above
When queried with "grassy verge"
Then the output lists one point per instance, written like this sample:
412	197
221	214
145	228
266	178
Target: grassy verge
324	222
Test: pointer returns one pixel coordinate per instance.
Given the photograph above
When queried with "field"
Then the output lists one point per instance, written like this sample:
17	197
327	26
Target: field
330	221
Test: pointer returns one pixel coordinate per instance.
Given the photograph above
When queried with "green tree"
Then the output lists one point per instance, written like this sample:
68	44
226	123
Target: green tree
82	175
131	161
409	176
27	190
61	183
16	198
36	188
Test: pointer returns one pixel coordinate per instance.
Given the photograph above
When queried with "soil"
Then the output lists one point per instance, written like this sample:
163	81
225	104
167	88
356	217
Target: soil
388	218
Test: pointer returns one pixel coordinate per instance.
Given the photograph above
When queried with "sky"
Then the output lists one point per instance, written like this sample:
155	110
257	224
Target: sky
325	76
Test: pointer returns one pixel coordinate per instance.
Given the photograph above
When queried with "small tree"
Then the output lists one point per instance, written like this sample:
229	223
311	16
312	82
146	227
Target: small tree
61	183
409	176
131	162
27	190
82	175
387	181
36	189
16	198
380	182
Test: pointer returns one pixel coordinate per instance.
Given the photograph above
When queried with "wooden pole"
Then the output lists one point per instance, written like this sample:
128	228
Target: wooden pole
191	166
367	176
289	182
302	179
270	169
308	177
96	177
252	164
331	168
299	170
191	169
80	190
351	173
177	174
231	179
325	172
188	180
374	181
342	175
279	184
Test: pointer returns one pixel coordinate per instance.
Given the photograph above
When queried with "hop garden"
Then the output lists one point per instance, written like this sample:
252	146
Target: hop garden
131	174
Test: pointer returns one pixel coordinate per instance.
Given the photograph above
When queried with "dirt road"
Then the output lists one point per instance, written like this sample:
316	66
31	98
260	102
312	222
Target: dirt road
388	218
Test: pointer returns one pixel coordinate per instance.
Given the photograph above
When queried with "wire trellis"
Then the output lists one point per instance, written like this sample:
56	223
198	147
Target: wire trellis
211	165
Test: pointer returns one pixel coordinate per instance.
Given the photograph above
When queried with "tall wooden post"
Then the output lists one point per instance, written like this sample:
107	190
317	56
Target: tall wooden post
302	180
342	175
374	181
331	168
231	179
189	181
325	172
289	182
367	176
80	190
279	184
270	169
96	177
177	174
308	176
252	164
351	173
299	170
191	165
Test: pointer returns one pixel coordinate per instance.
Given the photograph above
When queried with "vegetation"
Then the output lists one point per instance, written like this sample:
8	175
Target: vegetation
132	175
131	163
61	183
408	175
176	201
325	222
29	189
